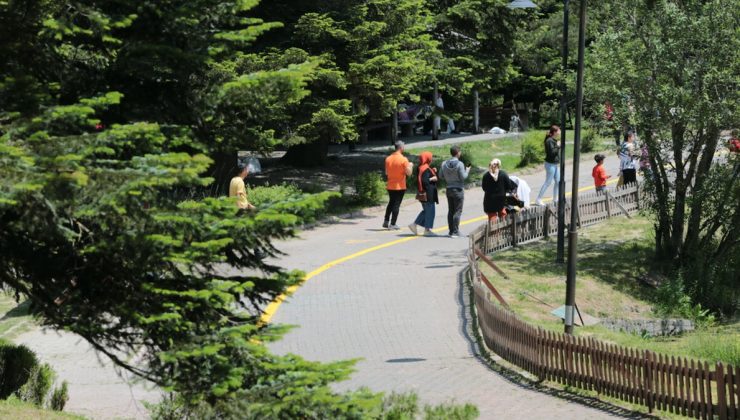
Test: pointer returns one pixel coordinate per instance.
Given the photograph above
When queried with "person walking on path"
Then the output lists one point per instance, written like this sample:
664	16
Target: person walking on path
552	164
427	184
627	156
599	173
454	172
496	184
397	168
238	190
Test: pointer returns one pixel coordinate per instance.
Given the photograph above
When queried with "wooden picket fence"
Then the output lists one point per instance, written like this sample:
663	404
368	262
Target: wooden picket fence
542	221
678	385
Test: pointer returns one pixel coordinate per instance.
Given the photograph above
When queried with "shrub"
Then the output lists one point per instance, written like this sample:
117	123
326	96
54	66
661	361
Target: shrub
590	139
672	300
289	199
273	194
36	389
59	397
533	149
16	365
369	188
22	376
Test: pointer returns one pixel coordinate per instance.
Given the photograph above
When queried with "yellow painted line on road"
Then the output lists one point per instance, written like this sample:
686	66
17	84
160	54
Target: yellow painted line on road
275	304
357	241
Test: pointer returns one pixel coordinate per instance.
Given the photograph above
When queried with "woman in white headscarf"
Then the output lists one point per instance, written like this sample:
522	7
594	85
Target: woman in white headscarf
495	185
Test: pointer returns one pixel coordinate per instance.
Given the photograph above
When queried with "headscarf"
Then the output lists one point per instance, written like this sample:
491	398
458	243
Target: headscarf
494	173
425	158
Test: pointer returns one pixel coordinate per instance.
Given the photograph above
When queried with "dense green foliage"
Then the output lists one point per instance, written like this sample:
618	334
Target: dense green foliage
361	404
678	85
110	114
16	363
533	149
22	376
369	188
94	233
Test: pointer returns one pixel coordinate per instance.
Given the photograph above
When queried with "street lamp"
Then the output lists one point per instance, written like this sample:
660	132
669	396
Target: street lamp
570	287
526	4
563	124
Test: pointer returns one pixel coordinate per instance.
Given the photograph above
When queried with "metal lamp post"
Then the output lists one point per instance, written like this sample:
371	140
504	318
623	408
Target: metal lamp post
563	121
570	287
526	4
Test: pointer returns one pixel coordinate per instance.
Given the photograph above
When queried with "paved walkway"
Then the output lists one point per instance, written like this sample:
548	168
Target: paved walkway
397	303
418	142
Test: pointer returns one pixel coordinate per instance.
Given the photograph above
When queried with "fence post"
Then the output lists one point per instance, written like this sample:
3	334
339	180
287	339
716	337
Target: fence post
487	237
719	377
637	195
606	201
546	223
539	351
647	374
513	229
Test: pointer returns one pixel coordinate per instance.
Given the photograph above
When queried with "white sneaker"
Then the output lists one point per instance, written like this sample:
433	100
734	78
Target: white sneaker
429	233
412	228
394	227
539	203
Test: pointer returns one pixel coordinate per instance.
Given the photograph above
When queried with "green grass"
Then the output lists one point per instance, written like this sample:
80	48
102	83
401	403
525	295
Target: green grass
12	408
14	318
612	256
507	149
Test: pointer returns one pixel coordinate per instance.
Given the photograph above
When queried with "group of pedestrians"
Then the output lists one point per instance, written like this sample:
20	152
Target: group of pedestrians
501	191
496	184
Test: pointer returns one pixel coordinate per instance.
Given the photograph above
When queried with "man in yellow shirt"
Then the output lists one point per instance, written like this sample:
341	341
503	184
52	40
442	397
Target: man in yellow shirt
238	189
397	168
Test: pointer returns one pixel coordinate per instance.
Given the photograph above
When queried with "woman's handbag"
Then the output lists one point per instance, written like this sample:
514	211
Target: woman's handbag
422	196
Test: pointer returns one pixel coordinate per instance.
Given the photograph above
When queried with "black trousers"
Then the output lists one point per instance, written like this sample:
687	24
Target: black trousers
455	199
394	205
629	175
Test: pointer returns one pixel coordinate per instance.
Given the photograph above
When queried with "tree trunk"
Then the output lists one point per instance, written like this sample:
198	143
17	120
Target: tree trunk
394	124
476	112
662	197
435	130
681	184
693	229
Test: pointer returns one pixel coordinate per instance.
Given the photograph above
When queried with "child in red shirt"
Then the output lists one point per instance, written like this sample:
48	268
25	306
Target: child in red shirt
599	173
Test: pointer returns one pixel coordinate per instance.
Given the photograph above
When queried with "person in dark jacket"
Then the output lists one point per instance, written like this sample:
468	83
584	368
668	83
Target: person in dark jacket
552	164
427	182
496	184
454	172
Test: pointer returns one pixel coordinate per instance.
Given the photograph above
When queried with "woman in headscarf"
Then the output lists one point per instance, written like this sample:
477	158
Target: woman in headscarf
495	185
426	183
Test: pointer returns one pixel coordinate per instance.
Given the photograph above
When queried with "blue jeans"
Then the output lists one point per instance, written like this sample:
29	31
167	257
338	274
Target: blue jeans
552	173
426	217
